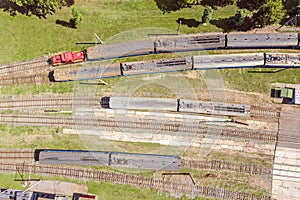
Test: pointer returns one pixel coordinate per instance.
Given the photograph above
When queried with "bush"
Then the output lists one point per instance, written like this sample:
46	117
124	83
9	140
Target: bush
77	17
207	14
240	17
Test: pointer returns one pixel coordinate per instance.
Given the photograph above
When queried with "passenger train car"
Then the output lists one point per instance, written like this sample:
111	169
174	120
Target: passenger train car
175	105
103	158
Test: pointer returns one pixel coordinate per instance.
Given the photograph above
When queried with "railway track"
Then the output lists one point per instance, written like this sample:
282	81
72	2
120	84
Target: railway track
17	79
133	180
16	155
47	102
264	112
226	166
143	126
17	68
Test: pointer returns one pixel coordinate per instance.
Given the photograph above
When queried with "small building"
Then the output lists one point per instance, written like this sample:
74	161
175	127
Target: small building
288	93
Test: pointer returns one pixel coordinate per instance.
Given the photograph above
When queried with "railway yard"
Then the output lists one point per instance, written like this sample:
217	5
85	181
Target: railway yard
187	146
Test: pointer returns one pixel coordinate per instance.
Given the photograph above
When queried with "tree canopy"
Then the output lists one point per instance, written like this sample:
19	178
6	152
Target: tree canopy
269	13
40	7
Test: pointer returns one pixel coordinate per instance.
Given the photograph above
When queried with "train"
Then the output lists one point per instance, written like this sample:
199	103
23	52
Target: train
68	58
108	158
181	43
200	62
175	105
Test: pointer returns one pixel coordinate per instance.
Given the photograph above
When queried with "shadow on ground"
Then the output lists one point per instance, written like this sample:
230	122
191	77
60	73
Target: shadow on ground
169	5
215	3
227	24
12	8
65	23
189	22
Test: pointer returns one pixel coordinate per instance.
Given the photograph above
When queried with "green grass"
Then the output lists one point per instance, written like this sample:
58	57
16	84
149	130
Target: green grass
260	82
31	90
26	37
37	137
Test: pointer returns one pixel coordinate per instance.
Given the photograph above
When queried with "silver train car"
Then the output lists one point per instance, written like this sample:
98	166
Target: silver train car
175	105
263	40
102	158
190	42
193	42
156	66
227	61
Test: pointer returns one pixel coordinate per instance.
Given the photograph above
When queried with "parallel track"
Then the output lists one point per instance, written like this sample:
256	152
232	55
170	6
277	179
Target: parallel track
16	68
227	166
111	124
47	102
17	79
133	180
16	155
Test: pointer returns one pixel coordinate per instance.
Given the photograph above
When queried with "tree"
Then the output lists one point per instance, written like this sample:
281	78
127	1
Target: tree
240	17
192	2
77	17
251	4
207	14
269	13
39	7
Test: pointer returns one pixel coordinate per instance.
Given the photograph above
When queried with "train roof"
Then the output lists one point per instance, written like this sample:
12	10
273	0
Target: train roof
103	152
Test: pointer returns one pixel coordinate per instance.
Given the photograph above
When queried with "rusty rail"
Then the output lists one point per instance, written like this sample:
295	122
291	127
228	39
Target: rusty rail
133	180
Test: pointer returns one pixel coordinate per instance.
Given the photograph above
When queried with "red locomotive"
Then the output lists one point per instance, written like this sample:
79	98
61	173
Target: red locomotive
68	58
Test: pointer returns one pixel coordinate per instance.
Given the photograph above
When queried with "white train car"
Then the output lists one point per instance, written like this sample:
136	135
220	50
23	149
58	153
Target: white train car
262	40
228	61
134	103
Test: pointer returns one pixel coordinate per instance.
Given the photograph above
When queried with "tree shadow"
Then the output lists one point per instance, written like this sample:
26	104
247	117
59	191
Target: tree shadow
69	2
169	5
189	22
12	8
65	23
215	3
227	24
250	4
